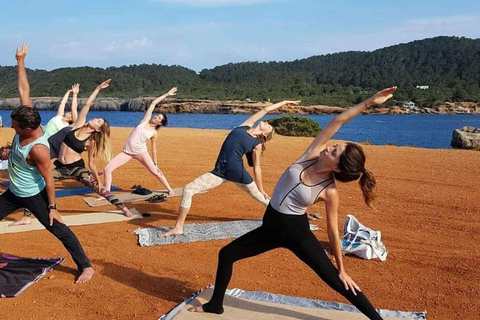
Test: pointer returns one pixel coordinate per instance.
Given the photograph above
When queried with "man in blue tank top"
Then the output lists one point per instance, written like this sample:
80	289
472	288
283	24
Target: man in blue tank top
31	179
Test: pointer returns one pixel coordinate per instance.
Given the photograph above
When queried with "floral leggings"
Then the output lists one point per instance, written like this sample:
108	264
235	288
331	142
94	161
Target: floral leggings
78	172
209	181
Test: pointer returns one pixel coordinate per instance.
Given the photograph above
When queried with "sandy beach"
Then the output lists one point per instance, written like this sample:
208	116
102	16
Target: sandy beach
428	210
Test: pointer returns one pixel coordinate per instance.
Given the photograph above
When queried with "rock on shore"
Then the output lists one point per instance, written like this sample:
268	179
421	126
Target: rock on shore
466	138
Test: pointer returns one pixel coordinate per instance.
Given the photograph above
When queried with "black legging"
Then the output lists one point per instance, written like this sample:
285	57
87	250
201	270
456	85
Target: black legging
282	231
38	205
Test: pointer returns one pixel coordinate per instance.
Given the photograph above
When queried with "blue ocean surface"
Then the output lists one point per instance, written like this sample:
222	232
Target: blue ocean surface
423	131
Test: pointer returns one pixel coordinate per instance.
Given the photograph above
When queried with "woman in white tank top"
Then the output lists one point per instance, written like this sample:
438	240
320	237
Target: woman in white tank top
136	145
285	224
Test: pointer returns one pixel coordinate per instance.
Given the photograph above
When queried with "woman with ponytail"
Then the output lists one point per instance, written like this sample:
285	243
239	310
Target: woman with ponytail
136	145
310	179
94	137
243	140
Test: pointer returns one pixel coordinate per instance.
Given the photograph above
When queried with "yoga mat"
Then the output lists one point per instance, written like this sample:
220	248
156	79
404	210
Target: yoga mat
240	304
60	193
199	232
17	274
77	191
74	220
129	197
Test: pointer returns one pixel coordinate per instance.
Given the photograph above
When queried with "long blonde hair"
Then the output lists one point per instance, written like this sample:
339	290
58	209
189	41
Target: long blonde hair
101	139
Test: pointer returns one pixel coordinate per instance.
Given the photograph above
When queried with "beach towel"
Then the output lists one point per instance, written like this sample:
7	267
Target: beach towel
17	274
240	304
199	232
130	197
74	220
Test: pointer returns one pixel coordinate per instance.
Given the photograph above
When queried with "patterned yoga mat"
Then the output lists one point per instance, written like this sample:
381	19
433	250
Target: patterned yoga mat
17	274
199	232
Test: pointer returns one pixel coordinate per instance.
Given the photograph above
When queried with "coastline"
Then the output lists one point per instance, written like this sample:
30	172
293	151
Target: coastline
236	107
427	210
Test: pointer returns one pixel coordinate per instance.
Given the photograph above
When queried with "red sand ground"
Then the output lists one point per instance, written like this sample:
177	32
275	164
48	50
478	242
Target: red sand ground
428	210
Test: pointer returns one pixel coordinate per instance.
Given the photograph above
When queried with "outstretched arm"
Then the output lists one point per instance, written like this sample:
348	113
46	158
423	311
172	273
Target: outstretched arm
82	116
149	111
23	85
322	138
257	170
75	90
259	115
61	108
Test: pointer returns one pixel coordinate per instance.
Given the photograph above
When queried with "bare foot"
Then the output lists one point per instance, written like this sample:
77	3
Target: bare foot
172	232
127	212
24	221
196	309
85	276
171	192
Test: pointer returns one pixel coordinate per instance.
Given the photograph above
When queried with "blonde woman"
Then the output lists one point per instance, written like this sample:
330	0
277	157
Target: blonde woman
243	140
91	136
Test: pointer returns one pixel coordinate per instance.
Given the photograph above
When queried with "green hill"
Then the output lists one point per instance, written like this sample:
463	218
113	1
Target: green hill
450	66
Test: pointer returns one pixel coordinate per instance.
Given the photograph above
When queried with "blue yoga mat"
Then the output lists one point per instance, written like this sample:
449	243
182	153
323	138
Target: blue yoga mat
67	192
77	191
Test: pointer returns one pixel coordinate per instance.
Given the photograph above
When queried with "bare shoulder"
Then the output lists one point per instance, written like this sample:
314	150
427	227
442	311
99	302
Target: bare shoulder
39	152
330	194
39	148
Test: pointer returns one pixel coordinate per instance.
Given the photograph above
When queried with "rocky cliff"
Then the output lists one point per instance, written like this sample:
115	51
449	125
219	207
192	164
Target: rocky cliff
232	107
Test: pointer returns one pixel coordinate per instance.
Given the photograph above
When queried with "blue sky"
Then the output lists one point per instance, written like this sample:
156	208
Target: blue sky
200	34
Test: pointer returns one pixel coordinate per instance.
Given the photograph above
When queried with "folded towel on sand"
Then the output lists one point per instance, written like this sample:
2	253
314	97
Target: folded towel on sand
199	232
240	304
74	220
17	274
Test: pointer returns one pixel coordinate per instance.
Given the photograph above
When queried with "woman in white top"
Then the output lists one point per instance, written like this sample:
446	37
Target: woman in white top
310	179
136	145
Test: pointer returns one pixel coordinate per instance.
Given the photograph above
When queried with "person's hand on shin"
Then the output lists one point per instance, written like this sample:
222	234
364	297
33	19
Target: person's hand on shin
55	215
348	282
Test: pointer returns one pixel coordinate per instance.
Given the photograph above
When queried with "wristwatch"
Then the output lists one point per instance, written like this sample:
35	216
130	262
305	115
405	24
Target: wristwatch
53	206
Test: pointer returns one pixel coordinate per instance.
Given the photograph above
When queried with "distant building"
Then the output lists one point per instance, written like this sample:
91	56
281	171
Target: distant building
409	104
422	87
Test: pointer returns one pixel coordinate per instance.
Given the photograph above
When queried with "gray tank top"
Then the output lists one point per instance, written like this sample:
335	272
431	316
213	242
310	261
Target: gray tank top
291	195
